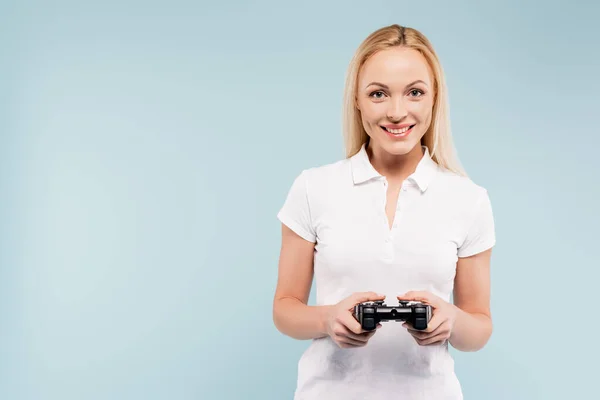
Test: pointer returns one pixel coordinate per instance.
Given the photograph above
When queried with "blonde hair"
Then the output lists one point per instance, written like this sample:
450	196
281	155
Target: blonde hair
438	137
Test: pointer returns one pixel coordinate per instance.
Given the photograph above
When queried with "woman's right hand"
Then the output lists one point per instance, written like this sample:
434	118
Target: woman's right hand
341	325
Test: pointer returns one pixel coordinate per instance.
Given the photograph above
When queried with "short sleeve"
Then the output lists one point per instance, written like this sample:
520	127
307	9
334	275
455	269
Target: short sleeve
295	212
481	234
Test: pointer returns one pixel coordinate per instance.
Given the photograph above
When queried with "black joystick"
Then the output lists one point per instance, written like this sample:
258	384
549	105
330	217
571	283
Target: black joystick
370	313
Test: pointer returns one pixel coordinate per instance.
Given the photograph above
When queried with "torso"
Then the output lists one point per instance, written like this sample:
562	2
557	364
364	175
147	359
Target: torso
357	250
393	192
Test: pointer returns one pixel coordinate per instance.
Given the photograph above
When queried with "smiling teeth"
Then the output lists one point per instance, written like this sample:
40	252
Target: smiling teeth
398	131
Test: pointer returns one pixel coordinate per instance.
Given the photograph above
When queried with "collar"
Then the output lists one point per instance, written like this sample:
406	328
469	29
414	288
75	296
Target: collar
363	170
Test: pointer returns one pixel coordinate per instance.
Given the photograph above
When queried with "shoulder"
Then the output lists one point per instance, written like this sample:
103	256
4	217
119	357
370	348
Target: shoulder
326	175
335	169
467	204
321	185
460	188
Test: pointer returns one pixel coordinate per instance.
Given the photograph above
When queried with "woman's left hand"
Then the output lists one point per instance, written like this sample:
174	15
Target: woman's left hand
442	321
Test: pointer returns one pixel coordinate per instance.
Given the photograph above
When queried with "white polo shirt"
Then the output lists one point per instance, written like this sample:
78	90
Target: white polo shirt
440	216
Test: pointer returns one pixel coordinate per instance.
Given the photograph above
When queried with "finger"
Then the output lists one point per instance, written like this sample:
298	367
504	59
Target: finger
418	334
341	331
422	296
370	332
434	340
443	328
342	344
436	320
362	337
414	295
345	342
362	297
348	321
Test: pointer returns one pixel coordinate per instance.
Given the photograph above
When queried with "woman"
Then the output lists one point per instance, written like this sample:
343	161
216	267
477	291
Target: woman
396	219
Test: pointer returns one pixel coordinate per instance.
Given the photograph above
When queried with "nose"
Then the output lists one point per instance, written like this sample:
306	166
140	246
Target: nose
396	110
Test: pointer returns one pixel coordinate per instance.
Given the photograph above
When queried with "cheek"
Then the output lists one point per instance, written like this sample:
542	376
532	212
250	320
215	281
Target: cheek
372	113
421	110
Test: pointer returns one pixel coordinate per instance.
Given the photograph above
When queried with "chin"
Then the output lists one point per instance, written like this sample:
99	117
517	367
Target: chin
399	147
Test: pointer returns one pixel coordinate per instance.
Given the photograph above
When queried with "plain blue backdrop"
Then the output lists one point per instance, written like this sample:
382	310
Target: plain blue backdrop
146	147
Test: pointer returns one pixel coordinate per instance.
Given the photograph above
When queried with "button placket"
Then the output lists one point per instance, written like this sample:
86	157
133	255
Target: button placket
388	232
384	205
400	205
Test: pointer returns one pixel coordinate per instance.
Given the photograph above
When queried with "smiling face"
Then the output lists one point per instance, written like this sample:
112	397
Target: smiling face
395	99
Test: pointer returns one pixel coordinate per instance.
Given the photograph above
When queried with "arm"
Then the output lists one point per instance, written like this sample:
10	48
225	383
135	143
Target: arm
291	314
467	323
473	323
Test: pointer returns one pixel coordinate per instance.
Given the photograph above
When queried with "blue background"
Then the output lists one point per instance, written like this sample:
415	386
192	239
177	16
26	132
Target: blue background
146	147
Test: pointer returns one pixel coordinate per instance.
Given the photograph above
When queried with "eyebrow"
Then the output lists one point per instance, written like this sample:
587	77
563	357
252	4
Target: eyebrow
387	87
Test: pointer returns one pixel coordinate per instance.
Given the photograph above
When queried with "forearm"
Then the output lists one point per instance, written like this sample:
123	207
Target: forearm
471	331
298	320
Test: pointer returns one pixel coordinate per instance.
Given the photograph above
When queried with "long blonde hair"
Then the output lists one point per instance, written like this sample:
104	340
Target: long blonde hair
438	137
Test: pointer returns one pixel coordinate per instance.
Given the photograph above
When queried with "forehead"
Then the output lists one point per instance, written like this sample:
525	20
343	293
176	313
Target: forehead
396	65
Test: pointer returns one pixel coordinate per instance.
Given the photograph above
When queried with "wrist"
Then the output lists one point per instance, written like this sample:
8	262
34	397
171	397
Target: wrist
471	331
324	319
456	315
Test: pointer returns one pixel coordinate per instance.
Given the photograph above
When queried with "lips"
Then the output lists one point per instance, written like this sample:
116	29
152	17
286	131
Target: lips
398	130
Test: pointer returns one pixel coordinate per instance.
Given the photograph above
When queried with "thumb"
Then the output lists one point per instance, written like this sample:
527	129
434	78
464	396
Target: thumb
421	296
365	296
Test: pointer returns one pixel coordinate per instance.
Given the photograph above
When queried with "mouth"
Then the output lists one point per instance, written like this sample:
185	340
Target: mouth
399	132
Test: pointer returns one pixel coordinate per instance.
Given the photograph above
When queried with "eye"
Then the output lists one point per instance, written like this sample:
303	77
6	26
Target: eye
418	91
376	93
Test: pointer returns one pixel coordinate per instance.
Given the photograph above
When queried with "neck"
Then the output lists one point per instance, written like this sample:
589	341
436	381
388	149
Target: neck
396	168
